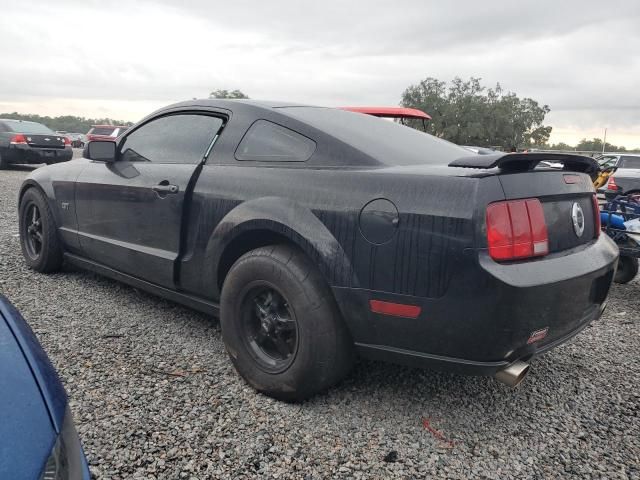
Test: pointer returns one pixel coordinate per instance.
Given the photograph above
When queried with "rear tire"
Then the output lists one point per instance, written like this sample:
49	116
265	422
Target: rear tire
38	233
627	269
281	325
3	163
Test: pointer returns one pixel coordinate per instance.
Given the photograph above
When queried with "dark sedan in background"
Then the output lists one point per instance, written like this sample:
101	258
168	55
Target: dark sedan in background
38	440
316	233
30	142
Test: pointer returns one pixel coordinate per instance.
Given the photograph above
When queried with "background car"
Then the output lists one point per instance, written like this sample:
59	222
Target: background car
315	233
625	176
77	139
38	439
30	142
105	132
619	160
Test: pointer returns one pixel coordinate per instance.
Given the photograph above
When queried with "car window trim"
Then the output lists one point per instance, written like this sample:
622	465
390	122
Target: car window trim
203	113
271	162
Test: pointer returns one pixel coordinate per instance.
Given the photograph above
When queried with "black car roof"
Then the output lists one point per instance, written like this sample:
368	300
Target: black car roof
237	104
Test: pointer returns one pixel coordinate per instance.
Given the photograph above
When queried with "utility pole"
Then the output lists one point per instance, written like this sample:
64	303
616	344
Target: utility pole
604	144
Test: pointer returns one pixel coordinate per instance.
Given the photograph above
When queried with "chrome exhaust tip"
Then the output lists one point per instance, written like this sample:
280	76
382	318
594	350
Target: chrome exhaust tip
513	374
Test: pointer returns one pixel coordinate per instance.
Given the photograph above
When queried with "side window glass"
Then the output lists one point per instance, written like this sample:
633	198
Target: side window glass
268	142
182	138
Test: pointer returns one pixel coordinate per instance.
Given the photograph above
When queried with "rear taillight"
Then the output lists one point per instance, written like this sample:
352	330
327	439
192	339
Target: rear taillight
596	216
611	184
18	139
67	141
516	229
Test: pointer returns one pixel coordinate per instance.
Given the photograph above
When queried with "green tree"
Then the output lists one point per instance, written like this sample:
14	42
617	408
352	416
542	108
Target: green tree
595	145
234	94
468	113
66	123
562	146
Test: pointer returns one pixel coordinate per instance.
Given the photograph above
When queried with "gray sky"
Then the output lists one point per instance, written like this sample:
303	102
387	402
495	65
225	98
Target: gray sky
125	59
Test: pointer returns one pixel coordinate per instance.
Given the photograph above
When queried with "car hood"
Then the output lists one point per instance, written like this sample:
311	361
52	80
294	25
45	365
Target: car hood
27	429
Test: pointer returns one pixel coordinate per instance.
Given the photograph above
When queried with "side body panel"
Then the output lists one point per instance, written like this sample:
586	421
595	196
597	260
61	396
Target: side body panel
318	209
127	226
58	183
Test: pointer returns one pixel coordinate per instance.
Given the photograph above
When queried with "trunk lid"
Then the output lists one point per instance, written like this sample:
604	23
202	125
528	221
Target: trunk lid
44	141
565	196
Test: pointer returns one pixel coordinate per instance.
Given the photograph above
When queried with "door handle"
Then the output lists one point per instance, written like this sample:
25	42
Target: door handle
164	188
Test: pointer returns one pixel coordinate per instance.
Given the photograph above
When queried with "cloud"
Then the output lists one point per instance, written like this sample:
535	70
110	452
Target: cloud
578	57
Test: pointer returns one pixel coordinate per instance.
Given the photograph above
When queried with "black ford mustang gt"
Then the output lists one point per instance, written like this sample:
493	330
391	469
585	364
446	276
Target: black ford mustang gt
316	233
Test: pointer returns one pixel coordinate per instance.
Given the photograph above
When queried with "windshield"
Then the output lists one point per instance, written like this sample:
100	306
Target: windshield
386	141
28	127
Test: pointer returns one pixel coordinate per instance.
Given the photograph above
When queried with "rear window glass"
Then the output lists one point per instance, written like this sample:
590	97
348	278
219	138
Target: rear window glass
28	127
101	130
388	142
267	141
629	162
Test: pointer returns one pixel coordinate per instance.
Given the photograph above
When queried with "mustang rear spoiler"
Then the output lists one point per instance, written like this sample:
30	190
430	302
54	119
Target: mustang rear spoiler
523	162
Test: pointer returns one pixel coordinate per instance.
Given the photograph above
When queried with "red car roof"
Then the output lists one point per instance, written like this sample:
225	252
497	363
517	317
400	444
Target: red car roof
390	112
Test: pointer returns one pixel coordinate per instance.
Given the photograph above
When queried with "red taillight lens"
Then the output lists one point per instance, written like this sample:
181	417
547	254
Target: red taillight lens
611	184
67	141
18	139
596	216
516	229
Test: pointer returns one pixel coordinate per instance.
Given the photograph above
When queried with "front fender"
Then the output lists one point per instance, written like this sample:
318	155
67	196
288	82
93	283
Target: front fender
285	218
57	183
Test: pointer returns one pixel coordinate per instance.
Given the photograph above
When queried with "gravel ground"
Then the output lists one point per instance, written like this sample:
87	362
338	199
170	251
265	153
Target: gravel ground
154	395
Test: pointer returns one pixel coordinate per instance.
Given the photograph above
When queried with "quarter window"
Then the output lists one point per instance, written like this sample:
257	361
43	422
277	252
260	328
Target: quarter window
181	138
270	142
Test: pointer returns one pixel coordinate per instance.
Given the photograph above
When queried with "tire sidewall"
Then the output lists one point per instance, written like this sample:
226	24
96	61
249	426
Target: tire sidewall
246	272
33	197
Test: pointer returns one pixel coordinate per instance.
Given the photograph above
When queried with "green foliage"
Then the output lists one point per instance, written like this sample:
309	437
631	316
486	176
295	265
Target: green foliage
595	145
234	94
66	123
561	146
467	113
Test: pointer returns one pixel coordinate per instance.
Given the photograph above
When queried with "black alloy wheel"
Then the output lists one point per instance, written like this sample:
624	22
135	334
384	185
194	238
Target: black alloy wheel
32	234
41	247
269	328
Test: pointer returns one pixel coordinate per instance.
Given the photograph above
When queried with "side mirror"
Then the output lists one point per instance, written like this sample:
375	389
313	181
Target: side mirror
100	151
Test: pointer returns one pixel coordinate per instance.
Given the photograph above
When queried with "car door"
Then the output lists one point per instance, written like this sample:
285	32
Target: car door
130	211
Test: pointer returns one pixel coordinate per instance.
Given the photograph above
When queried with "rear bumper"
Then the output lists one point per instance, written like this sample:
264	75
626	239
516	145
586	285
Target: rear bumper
27	154
462	365
486	319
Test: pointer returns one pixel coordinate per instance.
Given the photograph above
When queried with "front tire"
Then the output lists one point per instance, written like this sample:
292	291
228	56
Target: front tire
281	325
38	233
